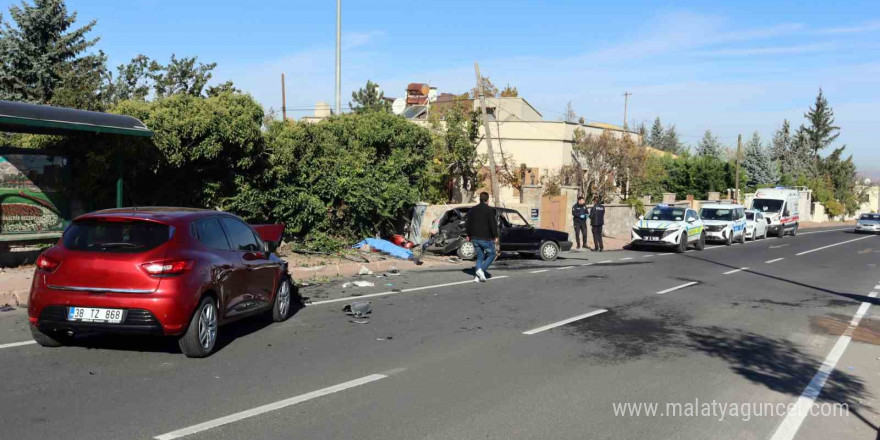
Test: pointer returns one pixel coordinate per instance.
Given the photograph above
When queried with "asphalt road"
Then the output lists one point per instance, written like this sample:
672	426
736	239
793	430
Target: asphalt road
541	351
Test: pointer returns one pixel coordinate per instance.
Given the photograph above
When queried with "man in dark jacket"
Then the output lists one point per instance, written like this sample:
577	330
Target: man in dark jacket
597	220
482	231
579	214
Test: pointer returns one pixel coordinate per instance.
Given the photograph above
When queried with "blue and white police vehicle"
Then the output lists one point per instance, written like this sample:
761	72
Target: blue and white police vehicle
725	222
676	227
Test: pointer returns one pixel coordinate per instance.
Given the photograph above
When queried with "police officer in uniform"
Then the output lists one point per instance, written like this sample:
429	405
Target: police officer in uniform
579	214
597	220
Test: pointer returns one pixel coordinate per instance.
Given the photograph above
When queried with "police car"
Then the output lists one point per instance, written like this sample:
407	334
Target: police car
671	226
724	222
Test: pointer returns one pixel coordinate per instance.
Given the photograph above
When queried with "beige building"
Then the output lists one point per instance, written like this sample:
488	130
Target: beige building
520	132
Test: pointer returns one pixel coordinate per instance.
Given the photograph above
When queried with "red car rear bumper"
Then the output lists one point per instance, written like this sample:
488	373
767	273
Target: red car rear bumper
166	311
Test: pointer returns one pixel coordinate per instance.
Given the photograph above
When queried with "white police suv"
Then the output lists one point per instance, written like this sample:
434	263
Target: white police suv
724	222
671	226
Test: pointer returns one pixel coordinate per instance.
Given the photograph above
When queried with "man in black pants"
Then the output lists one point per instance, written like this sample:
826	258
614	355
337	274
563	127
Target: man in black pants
597	220
579	214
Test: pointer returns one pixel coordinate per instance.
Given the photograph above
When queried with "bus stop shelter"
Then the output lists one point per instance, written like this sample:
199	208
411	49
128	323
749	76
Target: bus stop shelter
20	117
25	173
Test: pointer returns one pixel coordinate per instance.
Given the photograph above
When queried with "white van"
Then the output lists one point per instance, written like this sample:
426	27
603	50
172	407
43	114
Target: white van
724	222
780	208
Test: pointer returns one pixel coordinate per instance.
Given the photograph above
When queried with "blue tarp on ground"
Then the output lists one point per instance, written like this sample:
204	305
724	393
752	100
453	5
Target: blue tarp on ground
387	247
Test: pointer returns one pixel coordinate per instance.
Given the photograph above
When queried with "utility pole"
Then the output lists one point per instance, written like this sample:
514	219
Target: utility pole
488	137
338	56
626	96
283	100
739	141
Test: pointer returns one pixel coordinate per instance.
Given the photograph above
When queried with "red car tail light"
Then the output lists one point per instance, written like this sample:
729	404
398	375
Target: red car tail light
166	267
47	264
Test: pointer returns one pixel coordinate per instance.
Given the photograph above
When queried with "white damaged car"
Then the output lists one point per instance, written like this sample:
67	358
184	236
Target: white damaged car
675	227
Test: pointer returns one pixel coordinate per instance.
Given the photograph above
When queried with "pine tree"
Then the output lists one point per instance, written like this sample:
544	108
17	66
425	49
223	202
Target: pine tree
670	142
821	131
655	139
758	163
570	115
800	159
709	146
369	98
43	52
781	145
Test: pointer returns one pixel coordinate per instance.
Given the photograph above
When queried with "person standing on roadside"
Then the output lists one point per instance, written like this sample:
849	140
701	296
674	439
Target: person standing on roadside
579	214
597	220
482	230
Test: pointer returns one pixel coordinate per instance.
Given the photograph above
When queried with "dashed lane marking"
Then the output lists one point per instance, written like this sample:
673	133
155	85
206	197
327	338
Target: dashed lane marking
17	344
682	286
832	245
736	270
564	321
411	289
232	418
773	261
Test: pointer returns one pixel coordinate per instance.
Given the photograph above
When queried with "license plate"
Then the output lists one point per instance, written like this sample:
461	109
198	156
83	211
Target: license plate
652	238
86	314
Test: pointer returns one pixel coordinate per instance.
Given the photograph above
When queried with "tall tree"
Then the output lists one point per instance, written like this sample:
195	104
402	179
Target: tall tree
369	98
44	51
570	115
758	164
180	76
821	131
133	80
656	137
709	146
671	142
843	178
509	92
489	89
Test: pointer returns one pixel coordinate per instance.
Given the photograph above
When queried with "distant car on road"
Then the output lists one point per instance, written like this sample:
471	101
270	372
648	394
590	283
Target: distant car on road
669	226
756	225
517	235
158	271
724	222
868	223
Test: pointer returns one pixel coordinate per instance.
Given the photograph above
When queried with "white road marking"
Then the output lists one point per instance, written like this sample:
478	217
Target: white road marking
780	246
774	260
540	271
411	289
627	258
677	287
827	230
606	261
736	270
232	418
17	344
832	245
588	264
649	255
876	287
664	255
564	267
564	321
792	422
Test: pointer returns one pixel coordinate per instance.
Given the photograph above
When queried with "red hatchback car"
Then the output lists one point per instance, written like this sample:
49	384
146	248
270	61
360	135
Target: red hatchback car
158	271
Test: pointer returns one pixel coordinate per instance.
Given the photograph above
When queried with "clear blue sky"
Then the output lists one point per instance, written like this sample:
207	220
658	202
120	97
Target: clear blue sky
732	67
